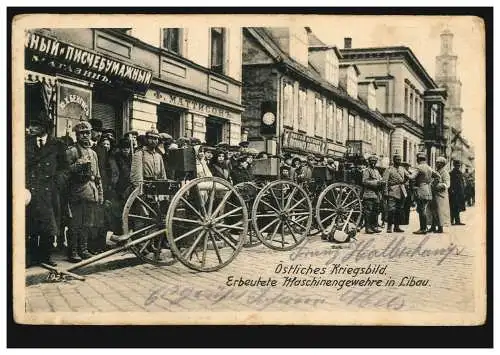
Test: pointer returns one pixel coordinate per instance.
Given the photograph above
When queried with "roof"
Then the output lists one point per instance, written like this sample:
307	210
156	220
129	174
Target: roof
261	35
314	41
394	51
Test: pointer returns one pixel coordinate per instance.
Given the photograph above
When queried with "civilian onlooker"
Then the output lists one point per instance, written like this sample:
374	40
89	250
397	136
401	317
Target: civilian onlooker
440	205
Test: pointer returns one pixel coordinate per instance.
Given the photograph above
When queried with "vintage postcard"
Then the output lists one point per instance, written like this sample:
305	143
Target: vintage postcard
249	169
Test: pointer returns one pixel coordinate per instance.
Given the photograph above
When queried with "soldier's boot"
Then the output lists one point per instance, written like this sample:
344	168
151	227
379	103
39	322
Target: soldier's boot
84	253
396	224
368	224
423	225
74	257
389	222
439	229
375	227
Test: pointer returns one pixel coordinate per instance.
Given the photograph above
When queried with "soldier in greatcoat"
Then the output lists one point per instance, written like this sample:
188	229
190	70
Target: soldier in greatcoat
372	186
85	191
440	206
423	176
395	177
44	163
147	162
456	193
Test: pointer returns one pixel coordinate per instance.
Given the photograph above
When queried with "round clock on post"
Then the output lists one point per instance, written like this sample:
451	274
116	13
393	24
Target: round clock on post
269	118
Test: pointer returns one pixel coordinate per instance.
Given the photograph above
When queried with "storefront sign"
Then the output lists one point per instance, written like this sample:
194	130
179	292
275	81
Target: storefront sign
298	141
335	150
49	55
189	104
73	101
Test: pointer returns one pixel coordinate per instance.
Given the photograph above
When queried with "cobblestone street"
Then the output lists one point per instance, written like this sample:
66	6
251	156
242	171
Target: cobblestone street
445	260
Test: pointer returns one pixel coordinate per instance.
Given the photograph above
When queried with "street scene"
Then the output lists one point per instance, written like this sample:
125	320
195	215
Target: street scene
279	168
124	285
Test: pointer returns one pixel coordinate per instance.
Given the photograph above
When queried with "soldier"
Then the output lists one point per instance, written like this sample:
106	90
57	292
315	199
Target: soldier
395	177
440	205
423	177
456	194
85	191
44	163
96	133
372	184
147	163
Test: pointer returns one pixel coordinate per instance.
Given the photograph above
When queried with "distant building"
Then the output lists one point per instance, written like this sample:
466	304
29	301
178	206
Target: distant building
300	98
406	95
447	78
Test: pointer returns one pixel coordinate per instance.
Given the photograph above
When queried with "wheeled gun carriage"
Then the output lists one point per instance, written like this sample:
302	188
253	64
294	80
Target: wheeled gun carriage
204	222
201	222
280	210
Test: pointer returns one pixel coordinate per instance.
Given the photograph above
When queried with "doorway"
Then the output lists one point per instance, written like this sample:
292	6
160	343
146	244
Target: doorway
169	121
215	131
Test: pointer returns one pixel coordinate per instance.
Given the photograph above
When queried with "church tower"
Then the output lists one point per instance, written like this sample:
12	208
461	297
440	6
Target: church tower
446	77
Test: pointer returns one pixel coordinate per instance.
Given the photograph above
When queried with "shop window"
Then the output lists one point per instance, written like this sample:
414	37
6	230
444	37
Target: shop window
169	121
108	108
217	38
172	40
216	130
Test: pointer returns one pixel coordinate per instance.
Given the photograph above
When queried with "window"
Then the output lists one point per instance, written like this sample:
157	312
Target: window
350	128
332	68
405	149
410	113
352	82
415	109
362	129
406	100
172	39
374	135
302	109
318	117
434	114
217	49
288	104
339	135
421	113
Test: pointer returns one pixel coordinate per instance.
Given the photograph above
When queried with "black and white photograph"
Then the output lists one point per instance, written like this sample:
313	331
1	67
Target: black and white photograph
249	169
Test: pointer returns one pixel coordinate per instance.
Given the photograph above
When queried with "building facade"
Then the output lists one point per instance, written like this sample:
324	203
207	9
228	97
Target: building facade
447	78
183	81
406	95
299	99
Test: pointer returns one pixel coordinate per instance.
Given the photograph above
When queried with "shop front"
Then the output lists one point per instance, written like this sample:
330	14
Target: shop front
181	114
71	83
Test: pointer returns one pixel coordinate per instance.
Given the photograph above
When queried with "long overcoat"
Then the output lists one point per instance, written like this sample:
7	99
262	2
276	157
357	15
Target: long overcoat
43	180
440	205
457	191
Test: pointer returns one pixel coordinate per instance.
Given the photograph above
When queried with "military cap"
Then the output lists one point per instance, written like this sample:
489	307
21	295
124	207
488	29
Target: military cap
153	132
96	124
330	160
165	136
183	140
194	141
457	162
422	156
311	157
132	133
222	145
396	155
124	143
373	157
244	144
82	126
46	123
441	160
251	151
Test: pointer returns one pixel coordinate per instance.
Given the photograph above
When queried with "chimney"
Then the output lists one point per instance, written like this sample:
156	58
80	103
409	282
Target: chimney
347	42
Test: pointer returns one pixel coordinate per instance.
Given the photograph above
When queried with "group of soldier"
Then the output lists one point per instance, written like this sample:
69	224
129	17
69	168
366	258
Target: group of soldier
76	190
439	195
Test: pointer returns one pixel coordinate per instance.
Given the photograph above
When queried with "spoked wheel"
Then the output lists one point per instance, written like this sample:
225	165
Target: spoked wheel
282	215
335	203
146	214
207	222
249	190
